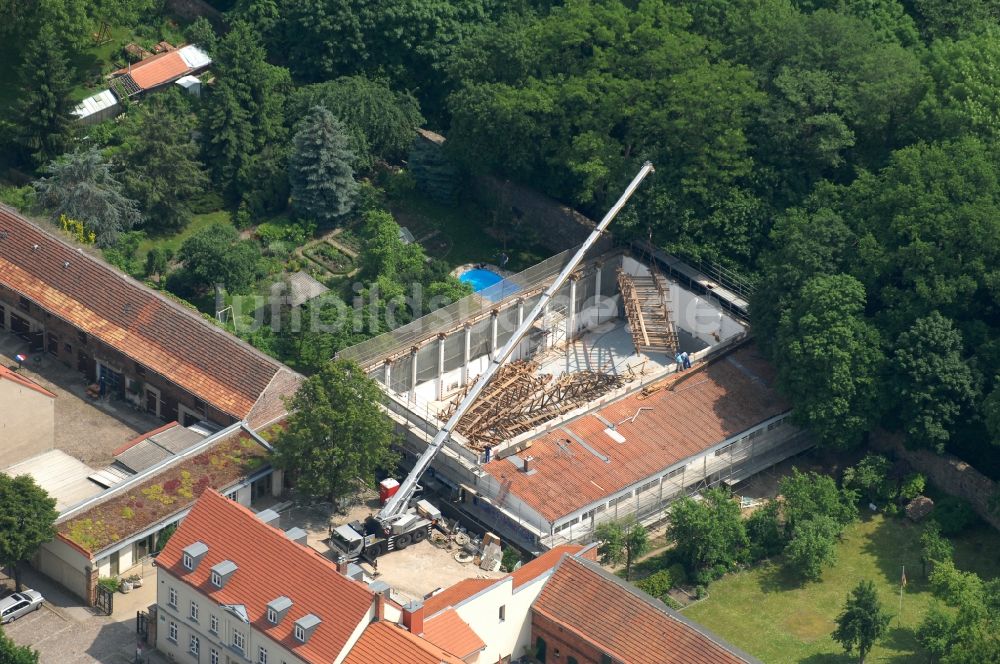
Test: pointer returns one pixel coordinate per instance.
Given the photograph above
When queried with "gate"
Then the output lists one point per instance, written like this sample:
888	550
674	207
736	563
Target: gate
142	625
105	600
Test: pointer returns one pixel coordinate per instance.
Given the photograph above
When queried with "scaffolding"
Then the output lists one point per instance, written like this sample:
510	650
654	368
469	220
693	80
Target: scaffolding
520	399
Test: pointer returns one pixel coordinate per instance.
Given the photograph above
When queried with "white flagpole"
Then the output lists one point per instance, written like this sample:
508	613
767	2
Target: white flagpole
901	586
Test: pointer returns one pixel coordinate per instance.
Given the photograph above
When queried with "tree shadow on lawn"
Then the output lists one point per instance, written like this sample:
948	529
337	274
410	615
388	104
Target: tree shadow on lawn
828	658
895	542
776	578
903	642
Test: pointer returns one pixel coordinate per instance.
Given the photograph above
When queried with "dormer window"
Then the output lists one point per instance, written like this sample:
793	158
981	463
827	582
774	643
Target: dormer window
192	554
277	608
221	573
305	626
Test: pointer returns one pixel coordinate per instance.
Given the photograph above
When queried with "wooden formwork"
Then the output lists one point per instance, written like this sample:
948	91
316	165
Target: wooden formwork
647	308
519	399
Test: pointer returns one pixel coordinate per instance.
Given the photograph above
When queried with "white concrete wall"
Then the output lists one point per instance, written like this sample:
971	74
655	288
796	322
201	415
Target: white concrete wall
692	313
27	422
513	634
63	564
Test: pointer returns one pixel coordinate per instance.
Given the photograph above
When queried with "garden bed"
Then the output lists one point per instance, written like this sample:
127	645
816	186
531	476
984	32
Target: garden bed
330	258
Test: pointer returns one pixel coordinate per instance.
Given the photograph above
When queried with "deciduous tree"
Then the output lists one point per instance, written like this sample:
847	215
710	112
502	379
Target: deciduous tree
621	542
930	382
832	360
381	122
812	546
863	621
27	515
11	653
215	256
708	534
337	434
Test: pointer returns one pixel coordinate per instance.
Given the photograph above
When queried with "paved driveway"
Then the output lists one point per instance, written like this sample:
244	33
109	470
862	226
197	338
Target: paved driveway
66	632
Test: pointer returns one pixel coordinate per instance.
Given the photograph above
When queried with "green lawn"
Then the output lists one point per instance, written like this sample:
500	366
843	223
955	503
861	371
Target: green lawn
774	618
174	242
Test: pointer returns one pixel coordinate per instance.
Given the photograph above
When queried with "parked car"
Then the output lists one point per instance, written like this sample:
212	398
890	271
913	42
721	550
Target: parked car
16	605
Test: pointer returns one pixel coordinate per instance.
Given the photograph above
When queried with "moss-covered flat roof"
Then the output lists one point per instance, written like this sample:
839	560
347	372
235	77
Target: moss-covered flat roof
168	492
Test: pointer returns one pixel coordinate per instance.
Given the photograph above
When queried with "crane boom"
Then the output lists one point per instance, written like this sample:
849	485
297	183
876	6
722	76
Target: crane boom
398	503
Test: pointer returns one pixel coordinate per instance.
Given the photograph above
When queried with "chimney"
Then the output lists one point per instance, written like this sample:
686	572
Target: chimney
413	616
379	607
342	567
528	463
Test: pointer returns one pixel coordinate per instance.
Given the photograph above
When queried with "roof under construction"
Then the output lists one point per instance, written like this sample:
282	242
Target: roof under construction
616	445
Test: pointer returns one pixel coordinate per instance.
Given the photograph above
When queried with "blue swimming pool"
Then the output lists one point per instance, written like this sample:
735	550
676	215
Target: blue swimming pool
480	279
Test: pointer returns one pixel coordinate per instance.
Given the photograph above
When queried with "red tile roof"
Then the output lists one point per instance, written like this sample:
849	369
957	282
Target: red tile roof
138	322
14	377
729	396
449	632
543	563
157	70
455	594
269	566
385	643
624	622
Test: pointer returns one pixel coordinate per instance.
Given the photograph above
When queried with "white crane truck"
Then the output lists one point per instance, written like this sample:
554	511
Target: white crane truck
397	524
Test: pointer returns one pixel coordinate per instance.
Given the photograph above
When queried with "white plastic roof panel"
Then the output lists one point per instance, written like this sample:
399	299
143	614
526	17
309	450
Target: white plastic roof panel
194	56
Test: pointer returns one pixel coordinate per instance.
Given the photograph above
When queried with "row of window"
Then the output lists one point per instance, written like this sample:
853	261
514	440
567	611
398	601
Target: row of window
194	644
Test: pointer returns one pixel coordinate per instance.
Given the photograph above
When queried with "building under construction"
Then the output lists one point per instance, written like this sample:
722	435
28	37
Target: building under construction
595	416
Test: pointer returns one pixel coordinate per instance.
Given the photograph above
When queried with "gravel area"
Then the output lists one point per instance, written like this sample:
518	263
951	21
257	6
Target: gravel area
86	429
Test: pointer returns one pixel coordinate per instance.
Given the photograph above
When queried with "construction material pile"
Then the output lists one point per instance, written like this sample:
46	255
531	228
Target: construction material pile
519	399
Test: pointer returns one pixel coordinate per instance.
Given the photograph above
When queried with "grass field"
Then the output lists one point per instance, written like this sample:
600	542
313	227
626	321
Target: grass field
773	617
174	242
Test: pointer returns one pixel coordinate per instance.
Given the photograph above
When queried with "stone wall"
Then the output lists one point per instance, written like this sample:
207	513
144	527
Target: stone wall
947	472
555	225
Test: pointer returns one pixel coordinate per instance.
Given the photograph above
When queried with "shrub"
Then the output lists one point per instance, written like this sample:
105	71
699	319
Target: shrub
953	515
912	486
677	574
657	584
21	198
510	558
108	583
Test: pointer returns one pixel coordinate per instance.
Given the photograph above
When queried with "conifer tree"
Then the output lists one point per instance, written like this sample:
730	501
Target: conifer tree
319	170
42	117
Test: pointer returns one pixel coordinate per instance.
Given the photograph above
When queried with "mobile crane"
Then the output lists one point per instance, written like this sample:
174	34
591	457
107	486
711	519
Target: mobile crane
396	525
